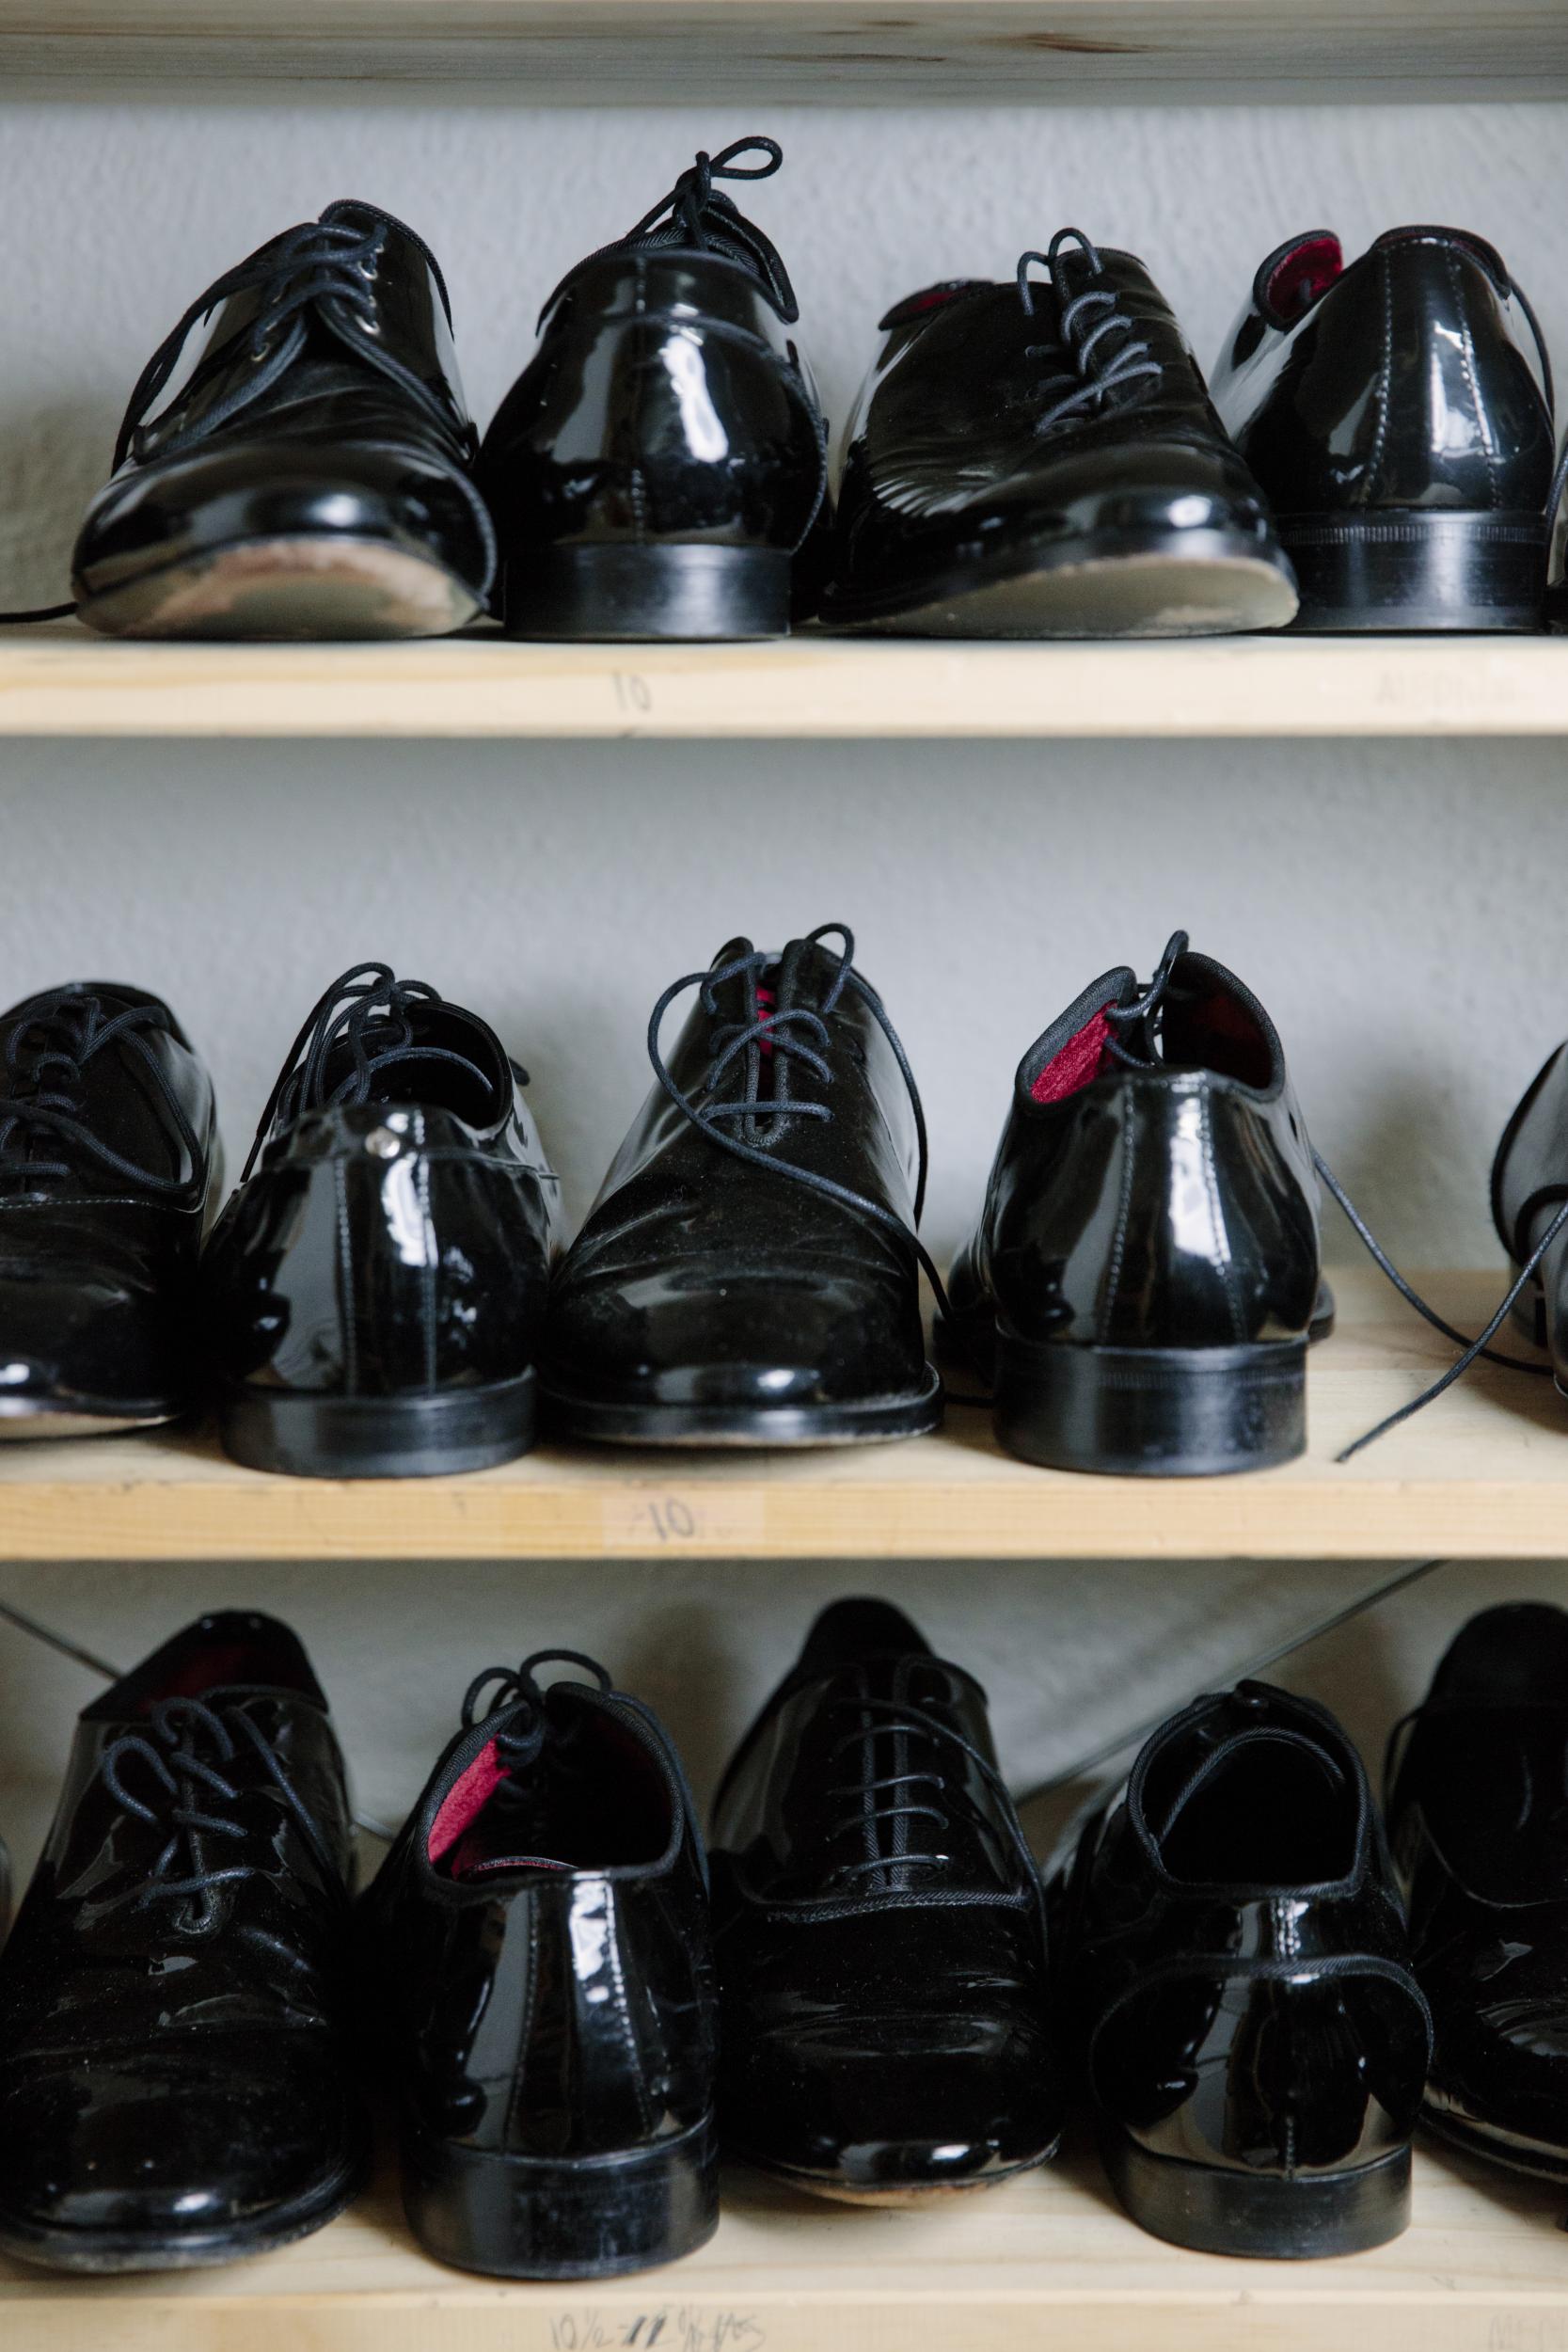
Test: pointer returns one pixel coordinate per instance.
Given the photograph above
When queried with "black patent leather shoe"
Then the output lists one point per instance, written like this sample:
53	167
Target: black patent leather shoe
372	1293
1147	1274
1235	1963
537	1950
1041	459
313	476
108	1167
175	2084
1398	413
750	1273
659	467
1530	1209
886	2027
1475	1813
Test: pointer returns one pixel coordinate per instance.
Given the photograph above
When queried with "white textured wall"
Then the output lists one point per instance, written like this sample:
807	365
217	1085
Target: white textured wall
1392	905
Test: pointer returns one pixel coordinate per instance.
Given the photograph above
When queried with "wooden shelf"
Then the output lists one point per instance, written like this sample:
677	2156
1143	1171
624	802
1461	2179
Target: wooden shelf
61	680
1482	1475
948	51
1049	2258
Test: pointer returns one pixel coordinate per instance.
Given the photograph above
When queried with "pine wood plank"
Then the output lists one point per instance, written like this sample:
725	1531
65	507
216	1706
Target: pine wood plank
1483	1474
1048	2259
61	680
854	51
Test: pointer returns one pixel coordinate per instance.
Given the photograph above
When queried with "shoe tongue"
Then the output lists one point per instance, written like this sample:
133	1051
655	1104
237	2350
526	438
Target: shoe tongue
430	1053
1243	1726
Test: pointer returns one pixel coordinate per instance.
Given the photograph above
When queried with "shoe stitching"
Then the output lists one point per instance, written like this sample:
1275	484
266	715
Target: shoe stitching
1381	436
345	1277
1467	360
1221	1241
1124	1215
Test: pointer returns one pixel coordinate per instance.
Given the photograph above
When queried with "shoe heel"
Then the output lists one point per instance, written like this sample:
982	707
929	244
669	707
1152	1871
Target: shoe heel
687	594
588	2217
1284	2216
377	1437
1172	1413
1413	570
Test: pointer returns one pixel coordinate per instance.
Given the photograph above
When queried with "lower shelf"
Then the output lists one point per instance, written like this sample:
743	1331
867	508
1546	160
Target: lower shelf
1482	1475
1049	2259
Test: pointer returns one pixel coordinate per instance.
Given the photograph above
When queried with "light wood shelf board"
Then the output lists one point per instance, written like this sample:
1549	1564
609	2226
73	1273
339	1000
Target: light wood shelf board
61	680
1046	2260
853	51
1483	1474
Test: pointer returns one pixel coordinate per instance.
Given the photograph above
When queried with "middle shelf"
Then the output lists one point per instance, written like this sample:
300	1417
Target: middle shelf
1483	1474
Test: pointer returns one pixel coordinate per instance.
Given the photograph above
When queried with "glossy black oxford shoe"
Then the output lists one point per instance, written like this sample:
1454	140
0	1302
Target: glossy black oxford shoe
1398	412
750	1273
108	1147
886	2030
1235	1966
1530	1209
660	468
313	475
537	1950
175	2084
372	1293
1476	1816
1147	1274
1041	459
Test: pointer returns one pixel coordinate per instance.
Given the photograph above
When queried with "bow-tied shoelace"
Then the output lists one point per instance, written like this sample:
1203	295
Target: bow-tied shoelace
929	1757
790	1033
697	213
1109	358
366	1014
1145	1015
187	1790
41	1085
516	1691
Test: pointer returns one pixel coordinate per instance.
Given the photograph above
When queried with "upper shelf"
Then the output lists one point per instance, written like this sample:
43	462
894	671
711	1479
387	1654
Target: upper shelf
62	680
1482	1475
949	52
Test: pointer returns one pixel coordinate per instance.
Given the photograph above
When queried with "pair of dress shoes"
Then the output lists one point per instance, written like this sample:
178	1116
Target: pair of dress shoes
874	1997
386	1292
1036	457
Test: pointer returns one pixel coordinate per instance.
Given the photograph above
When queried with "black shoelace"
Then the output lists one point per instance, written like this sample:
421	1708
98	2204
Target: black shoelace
187	1788
365	1013
1110	361
317	259
795	1033
925	1782
40	1093
699	217
517	1689
1143	1014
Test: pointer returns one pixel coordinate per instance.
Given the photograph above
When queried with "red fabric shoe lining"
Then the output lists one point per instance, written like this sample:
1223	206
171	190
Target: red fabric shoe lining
1075	1064
465	1801
1303	276
766	1002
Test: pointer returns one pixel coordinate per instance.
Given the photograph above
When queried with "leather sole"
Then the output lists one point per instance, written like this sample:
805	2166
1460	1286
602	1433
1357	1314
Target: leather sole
119	2252
270	590
377	1437
895	2194
25	1418
689	595
877	1421
1143	1412
596	2216
1419	571
1281	2217
1108	584
1496	2147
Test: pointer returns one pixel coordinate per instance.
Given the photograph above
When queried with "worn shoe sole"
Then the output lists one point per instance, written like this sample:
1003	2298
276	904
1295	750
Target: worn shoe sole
1282	2216
42	1416
1177	583
377	1437
584	2217
875	1421
1415	570
895	2194
104	2251
322	587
